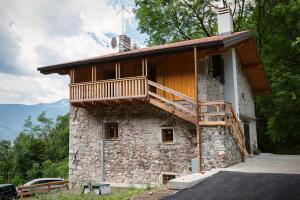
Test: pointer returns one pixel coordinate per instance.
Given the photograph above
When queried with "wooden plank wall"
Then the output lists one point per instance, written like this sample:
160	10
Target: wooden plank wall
83	74
175	71
131	68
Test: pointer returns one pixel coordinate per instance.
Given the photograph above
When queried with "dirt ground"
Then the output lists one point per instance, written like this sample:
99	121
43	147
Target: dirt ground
155	194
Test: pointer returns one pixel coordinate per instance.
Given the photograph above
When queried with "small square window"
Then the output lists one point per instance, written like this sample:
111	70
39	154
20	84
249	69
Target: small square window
111	131
167	135
167	177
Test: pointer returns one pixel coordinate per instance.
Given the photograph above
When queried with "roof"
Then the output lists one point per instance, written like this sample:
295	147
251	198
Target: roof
217	41
242	41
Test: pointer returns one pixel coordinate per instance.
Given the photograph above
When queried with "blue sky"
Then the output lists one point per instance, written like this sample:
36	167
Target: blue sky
43	32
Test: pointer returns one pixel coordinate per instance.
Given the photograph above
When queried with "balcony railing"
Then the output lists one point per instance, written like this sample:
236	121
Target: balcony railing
123	88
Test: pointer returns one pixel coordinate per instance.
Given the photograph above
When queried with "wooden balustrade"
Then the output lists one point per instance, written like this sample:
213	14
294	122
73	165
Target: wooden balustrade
135	87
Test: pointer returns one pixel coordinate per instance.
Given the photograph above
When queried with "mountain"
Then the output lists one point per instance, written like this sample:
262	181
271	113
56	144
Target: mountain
12	116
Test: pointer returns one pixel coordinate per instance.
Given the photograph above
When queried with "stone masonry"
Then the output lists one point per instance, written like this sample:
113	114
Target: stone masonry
139	156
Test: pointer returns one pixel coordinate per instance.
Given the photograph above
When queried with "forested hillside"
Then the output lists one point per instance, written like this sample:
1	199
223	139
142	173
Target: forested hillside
275	24
12	116
41	150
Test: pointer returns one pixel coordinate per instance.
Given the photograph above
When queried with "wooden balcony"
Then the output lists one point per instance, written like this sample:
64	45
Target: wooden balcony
115	89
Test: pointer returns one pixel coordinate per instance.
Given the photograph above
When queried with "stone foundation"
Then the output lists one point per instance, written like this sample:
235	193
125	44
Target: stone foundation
219	148
139	156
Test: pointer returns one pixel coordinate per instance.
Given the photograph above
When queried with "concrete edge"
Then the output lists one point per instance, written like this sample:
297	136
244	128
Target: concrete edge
189	180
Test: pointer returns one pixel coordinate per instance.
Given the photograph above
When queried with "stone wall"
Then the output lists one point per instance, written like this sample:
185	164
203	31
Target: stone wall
84	148
219	147
246	98
246	105
215	89
139	156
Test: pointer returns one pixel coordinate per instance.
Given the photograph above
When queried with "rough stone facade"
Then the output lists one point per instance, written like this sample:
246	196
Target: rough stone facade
139	156
247	108
219	148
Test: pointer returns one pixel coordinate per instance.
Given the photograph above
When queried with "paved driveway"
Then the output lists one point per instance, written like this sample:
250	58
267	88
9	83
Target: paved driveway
239	186
266	176
269	163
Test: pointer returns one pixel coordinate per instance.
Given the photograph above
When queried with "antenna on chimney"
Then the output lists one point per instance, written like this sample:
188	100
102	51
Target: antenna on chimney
122	11
124	40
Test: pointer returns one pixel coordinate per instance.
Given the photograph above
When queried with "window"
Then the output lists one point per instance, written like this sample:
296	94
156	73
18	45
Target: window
218	68
111	131
167	135
167	177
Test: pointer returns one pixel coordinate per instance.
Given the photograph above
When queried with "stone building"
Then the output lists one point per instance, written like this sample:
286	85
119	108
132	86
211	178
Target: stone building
148	115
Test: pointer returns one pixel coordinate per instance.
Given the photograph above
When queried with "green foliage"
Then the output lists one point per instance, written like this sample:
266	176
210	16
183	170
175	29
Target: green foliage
280	52
41	150
58	169
165	21
5	161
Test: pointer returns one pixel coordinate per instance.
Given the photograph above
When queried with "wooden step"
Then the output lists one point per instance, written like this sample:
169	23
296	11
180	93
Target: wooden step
171	109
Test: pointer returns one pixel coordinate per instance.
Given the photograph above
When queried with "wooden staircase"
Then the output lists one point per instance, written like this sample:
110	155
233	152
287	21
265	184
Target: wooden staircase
211	113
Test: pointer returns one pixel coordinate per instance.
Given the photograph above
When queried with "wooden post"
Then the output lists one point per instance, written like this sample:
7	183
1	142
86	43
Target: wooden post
199	136
146	67
94	73
72	76
118	70
143	67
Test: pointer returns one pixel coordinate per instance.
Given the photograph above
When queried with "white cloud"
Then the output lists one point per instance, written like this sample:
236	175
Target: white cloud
44	32
28	90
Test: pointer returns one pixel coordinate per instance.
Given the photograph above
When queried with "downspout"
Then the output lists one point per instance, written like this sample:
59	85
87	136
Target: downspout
102	155
198	129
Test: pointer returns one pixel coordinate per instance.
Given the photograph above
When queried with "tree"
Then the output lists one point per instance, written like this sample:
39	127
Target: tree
280	51
275	26
40	150
165	20
5	161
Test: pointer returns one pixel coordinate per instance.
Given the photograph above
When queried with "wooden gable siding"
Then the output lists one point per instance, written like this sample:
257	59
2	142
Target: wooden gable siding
83	74
131	68
176	71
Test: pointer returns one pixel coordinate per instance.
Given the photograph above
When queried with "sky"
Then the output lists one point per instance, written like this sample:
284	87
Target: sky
36	33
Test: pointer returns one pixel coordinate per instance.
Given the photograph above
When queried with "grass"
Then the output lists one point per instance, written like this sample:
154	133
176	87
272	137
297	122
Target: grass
117	194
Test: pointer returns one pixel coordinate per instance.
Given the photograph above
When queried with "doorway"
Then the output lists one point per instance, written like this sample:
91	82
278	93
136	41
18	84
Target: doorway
247	135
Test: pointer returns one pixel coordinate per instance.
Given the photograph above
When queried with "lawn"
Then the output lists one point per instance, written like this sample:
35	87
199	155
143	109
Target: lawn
117	194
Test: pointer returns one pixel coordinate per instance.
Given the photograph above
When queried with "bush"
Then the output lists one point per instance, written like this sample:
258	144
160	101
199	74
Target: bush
59	169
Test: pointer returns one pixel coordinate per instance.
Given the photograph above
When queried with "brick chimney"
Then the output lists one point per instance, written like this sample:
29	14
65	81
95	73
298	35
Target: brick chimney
225	22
